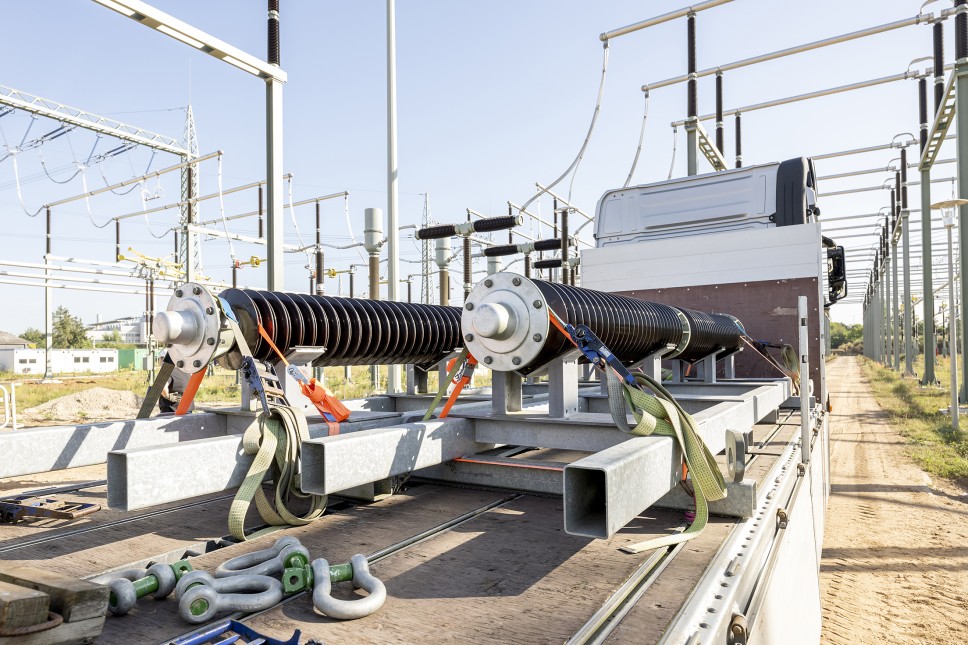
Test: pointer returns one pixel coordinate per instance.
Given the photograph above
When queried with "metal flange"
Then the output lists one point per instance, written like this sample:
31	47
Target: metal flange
191	327
505	321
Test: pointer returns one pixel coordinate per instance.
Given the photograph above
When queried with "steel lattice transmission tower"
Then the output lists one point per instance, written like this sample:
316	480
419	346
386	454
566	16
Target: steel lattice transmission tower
190	253
427	290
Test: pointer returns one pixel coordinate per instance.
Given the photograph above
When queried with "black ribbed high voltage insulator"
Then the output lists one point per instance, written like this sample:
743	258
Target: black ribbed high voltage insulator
709	333
553	263
273	40
547	245
961	32
938	65
436	232
499	251
693	100
354	331
632	329
496	223
923	111
902	179
477	226
720	132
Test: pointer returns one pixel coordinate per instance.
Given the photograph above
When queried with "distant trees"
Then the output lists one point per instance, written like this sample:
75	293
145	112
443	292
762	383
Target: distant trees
841	334
34	336
69	332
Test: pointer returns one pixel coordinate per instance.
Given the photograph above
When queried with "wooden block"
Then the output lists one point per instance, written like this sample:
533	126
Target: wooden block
80	632
20	606
72	598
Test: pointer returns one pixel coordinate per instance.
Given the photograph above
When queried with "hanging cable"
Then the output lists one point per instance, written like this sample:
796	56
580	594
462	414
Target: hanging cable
115	152
292	212
638	150
349	225
77	170
87	200
221	208
16	176
675	143
144	207
588	136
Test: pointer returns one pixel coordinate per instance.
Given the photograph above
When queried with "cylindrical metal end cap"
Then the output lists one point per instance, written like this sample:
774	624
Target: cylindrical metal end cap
193	316
504	321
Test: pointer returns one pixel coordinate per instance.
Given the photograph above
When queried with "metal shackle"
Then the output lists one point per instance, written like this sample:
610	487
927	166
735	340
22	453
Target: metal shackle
265	562
347	609
206	596
128	585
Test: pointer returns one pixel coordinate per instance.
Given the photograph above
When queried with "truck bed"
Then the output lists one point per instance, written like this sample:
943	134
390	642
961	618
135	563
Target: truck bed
505	571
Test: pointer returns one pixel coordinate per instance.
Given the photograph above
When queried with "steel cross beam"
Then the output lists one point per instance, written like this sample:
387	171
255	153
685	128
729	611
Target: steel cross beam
75	116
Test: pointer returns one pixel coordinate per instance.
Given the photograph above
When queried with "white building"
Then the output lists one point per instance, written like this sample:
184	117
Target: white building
63	361
132	330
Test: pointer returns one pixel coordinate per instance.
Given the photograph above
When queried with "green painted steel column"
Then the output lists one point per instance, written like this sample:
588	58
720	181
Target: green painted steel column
927	279
909	348
961	119
888	308
896	302
961	126
885	312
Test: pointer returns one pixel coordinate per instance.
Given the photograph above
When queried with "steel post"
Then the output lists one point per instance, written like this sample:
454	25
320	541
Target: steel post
805	417
48	309
909	348
896	311
954	353
275	253
927	287
961	118
888	354
393	226
885	308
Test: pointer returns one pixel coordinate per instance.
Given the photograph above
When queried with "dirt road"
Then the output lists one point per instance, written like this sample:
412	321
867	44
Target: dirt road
895	557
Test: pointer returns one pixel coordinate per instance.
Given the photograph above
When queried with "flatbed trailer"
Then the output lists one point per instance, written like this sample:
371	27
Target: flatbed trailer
459	562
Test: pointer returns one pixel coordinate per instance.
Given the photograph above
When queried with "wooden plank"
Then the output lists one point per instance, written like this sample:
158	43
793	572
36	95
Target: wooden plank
20	606
72	598
511	575
337	536
79	632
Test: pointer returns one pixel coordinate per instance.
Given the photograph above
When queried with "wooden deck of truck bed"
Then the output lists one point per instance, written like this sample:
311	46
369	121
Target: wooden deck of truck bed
508	574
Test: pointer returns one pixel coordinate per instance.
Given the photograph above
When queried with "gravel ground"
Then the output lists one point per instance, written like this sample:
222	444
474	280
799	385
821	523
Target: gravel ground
895	557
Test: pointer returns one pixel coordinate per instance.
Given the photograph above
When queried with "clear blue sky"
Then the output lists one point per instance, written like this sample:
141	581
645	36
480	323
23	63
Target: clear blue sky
492	97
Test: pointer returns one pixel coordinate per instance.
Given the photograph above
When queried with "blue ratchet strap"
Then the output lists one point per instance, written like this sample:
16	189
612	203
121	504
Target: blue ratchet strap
593	348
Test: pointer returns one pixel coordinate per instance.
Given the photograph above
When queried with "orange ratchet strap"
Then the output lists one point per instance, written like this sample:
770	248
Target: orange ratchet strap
464	380
189	394
331	408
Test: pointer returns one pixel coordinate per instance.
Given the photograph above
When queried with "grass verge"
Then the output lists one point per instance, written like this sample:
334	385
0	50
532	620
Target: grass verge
914	412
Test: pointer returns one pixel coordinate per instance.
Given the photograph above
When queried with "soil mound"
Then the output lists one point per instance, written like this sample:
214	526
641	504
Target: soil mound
95	403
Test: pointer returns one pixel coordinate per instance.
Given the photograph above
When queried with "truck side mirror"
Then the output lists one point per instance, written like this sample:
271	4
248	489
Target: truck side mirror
836	274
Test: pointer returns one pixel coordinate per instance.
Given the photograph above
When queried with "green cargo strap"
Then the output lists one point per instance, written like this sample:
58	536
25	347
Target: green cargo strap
277	438
442	390
154	392
661	415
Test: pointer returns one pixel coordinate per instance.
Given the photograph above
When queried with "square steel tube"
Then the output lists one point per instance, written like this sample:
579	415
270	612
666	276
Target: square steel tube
332	464
607	490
